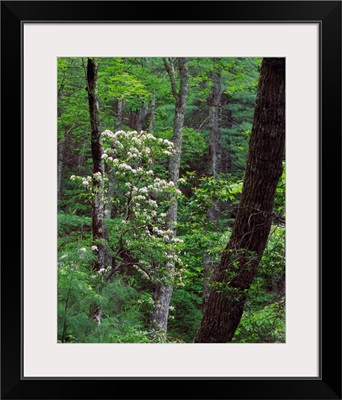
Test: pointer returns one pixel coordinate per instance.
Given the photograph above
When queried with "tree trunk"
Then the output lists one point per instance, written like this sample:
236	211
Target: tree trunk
61	146
143	112
163	293
96	152
120	106
153	117
214	167
240	259
214	124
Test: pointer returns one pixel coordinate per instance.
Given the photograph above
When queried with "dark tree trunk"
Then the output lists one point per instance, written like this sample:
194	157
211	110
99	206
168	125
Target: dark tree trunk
163	293
242	255
214	166
96	152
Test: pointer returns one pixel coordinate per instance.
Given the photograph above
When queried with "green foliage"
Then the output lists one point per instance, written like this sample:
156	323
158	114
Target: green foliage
138	225
185	315
263	326
263	320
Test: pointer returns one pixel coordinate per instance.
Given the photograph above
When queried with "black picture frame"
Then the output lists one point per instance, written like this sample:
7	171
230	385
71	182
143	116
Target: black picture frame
328	384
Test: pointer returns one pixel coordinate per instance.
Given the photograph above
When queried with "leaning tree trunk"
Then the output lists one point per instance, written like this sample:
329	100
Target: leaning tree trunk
214	167
242	255
163	293
96	152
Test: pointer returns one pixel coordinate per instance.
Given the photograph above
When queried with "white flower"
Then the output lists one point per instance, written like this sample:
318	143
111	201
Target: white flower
63	256
72	177
125	166
83	249
176	240
104	156
171	308
107	133
94	248
168	153
85	183
128	184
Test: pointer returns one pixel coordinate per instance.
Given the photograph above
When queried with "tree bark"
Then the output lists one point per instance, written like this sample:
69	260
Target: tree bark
215	167
214	124
143	112
96	152
163	293
61	146
153	117
242	255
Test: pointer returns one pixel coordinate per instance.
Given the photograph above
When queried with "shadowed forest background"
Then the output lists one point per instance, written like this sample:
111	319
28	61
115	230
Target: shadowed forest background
171	200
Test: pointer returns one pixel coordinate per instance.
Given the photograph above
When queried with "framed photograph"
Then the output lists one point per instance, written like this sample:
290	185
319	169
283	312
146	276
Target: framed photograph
153	199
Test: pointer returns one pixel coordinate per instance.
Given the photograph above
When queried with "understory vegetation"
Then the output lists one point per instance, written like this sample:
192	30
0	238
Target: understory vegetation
145	249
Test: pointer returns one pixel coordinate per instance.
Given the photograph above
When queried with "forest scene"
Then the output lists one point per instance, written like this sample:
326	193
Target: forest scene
171	200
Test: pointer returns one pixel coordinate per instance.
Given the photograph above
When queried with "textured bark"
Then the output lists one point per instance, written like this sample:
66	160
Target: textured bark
120	106
242	255
143	112
153	117
163	293
96	152
61	146
214	124
161	297
215	156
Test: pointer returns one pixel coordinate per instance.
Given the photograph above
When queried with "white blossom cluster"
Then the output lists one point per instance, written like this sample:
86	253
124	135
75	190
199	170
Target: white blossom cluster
140	199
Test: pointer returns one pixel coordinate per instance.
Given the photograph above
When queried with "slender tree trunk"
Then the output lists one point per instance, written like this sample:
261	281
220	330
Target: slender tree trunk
215	155
61	146
163	293
143	112
120	106
96	151
153	117
242	255
214	123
